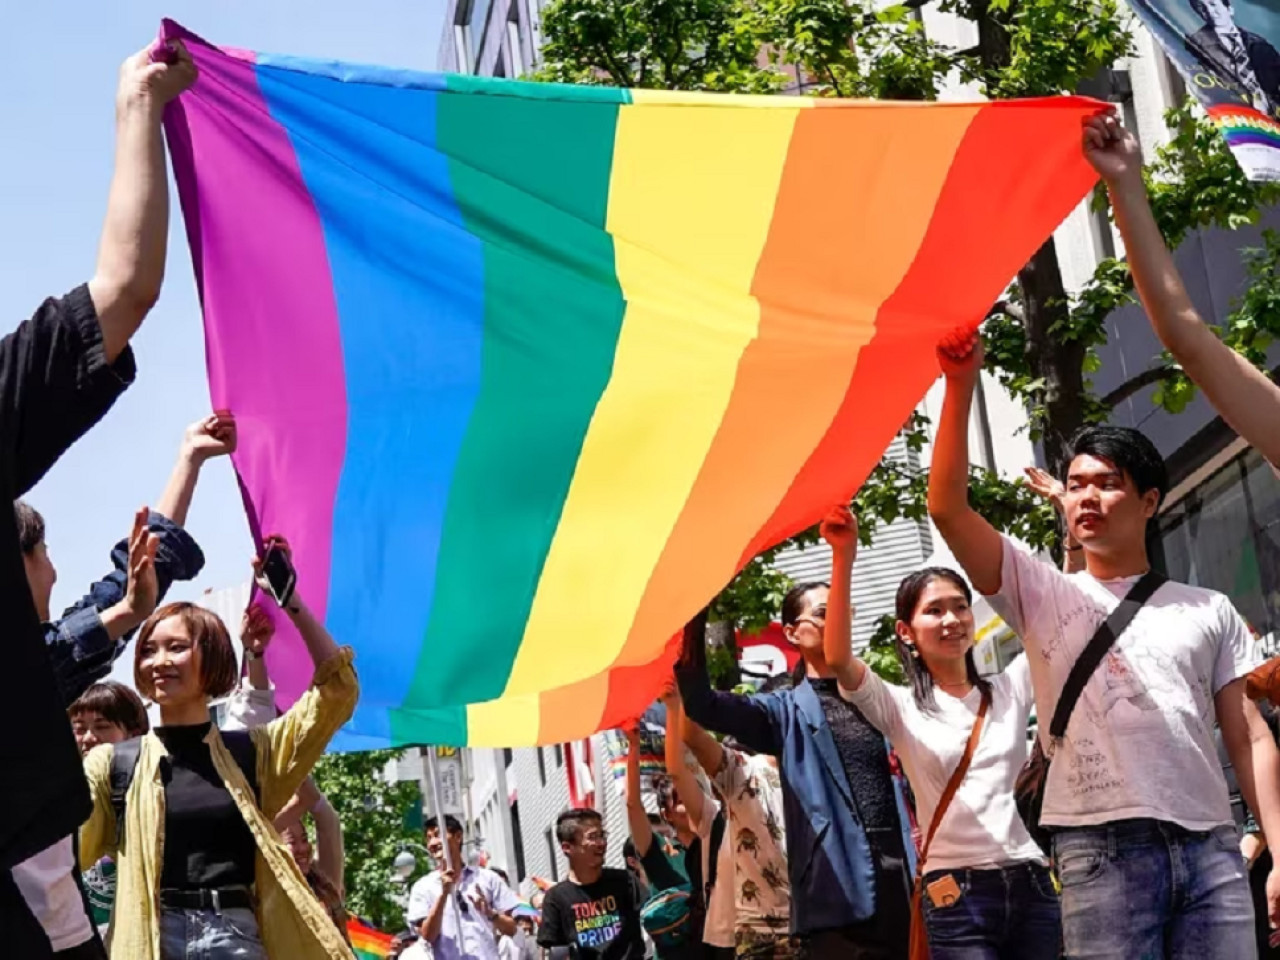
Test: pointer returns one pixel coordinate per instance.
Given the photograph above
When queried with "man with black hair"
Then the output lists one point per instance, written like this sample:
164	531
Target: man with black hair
459	910
597	910
1143	837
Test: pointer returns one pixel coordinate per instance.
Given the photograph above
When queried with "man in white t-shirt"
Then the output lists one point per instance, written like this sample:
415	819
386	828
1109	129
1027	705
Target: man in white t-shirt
459	911
1144	841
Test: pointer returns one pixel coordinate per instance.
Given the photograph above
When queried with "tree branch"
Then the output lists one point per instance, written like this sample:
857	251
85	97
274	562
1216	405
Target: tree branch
1131	386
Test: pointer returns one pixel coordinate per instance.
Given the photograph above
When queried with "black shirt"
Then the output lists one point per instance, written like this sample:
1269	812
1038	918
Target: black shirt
55	384
206	841
602	919
866	760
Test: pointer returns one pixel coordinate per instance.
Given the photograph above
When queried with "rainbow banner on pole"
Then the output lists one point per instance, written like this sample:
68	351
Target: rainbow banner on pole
368	943
526	373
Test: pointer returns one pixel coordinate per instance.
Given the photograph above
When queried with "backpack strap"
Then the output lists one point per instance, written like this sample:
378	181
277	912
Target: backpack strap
124	760
1103	639
957	775
239	744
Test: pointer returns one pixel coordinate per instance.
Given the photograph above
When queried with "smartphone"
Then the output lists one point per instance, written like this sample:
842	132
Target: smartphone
279	573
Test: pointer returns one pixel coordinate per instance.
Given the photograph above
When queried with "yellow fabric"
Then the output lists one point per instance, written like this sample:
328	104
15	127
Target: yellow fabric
293	923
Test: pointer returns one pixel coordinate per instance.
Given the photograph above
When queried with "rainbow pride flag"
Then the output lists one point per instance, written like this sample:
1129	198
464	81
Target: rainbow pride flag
526	372
368	943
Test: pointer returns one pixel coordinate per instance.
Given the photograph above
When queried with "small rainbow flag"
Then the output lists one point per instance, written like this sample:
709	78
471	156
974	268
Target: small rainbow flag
368	943
527	372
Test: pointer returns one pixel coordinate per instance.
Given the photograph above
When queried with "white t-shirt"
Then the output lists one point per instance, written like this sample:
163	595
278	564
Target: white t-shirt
1140	740
47	884
717	930
757	868
981	827
476	939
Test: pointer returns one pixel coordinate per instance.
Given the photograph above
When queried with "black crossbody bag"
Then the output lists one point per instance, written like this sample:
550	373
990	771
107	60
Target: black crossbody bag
1028	790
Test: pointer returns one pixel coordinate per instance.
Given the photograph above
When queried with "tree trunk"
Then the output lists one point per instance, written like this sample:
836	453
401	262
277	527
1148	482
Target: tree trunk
1059	364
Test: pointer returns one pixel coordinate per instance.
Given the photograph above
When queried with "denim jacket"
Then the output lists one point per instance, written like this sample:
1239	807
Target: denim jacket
829	859
80	650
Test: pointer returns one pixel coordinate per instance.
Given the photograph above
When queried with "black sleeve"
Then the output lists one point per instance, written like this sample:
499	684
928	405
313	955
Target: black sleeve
55	383
551	931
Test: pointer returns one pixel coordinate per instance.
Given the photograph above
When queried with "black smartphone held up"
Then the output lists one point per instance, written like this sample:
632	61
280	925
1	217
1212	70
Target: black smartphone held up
280	575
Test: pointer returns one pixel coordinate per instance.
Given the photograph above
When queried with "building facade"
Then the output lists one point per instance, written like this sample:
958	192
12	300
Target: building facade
491	38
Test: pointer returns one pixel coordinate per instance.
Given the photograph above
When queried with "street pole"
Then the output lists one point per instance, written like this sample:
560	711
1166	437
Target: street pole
443	829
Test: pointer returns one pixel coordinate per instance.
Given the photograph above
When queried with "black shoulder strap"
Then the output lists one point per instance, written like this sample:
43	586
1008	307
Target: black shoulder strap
124	758
239	744
1107	634
713	852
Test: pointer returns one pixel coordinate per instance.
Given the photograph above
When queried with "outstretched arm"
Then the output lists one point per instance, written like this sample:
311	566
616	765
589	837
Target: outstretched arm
686	781
840	530
1051	488
1246	397
214	436
126	283
973	541
637	818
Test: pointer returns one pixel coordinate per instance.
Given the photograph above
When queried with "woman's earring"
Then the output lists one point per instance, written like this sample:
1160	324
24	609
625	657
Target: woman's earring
915	651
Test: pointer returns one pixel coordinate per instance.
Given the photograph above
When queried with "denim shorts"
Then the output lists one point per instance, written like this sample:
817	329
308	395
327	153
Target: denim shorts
230	934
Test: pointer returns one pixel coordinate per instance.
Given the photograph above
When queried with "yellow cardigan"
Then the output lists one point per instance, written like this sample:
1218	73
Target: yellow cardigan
293	923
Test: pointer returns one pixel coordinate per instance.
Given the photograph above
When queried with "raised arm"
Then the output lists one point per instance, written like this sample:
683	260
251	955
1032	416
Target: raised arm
330	851
214	436
1051	488
686	781
126	283
973	541
748	719
840	530
637	818
707	750
1247	399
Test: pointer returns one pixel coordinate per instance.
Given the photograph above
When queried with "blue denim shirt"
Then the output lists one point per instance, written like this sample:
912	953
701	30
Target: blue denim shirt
80	649
829	859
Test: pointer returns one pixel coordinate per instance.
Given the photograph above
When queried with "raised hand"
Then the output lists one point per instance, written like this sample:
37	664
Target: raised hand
214	436
142	591
960	354
156	74
1045	484
1112	150
840	528
256	630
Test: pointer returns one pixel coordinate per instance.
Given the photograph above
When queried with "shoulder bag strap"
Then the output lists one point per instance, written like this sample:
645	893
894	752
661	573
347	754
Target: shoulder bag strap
124	758
1097	648
948	794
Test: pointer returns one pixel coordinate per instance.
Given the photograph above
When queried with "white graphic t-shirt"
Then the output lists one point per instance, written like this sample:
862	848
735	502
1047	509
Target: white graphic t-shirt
1140	741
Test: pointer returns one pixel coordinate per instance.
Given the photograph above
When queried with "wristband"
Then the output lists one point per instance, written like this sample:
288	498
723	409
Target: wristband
250	655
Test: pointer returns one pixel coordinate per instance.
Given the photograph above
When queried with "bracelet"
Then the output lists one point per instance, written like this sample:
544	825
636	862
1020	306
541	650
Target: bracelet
250	655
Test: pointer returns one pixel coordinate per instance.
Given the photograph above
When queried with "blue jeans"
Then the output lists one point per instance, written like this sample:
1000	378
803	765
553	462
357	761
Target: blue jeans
230	934
1008	913
1150	890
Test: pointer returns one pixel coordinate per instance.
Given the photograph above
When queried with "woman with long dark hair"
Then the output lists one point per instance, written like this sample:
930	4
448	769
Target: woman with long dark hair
988	894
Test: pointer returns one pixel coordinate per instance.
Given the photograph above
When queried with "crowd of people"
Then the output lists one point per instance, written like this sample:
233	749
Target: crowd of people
831	814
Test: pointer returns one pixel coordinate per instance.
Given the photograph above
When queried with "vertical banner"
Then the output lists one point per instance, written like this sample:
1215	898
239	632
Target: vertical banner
452	788
1229	54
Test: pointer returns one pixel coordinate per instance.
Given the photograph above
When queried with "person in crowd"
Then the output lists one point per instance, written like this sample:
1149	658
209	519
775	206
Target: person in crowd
708	857
108	712
60	372
669	863
751	898
1007	907
407	945
1143	840
89	636
596	912
200	867
459	909
1245	396
850	853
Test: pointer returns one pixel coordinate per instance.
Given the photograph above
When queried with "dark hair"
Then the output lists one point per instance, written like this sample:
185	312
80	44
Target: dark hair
208	635
451	824
115	703
503	874
917	671
665	789
1129	450
30	525
629	851
571	823
793	603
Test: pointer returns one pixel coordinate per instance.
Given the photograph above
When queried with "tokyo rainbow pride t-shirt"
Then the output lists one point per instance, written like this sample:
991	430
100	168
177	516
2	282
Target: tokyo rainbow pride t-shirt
602	919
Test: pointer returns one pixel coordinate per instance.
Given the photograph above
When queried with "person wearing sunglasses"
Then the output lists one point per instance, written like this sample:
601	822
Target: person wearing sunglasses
460	910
